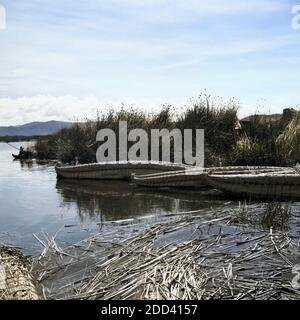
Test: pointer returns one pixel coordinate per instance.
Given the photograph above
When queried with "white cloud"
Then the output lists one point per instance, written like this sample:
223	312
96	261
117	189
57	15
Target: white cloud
65	108
56	53
45	108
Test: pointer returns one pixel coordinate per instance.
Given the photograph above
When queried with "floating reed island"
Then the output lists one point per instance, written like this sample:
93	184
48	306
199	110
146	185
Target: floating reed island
186	258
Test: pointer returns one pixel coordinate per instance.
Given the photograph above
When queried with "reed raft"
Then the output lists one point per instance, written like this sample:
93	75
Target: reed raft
16	281
120	170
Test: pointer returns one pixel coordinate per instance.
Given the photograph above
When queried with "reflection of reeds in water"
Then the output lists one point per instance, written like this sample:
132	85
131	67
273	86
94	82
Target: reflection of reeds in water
273	215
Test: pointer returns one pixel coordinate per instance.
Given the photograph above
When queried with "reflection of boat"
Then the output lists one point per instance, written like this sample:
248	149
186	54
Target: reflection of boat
119	199
195	177
279	185
110	199
115	170
94	187
98	188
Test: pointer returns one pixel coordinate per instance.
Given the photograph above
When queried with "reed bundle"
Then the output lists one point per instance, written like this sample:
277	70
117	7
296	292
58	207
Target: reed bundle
16	281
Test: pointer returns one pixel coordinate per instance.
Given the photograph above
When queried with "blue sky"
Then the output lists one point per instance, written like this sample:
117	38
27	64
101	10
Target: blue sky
64	59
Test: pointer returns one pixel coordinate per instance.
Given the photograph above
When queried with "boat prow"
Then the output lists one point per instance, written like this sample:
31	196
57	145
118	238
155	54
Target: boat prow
16	156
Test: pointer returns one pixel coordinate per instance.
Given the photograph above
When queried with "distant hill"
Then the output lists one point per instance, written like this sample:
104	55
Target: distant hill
34	129
284	117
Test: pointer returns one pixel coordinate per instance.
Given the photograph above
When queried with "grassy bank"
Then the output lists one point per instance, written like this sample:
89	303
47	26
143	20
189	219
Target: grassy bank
261	141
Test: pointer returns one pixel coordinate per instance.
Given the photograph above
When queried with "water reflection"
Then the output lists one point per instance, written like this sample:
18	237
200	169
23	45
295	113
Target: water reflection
32	200
112	200
26	164
121	200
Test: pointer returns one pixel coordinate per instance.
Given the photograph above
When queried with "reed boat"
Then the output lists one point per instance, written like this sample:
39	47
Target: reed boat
272	185
195	177
182	178
16	280
115	170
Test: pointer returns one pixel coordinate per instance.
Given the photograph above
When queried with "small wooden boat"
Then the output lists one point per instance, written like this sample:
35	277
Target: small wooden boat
275	186
115	170
25	156
195	177
16	156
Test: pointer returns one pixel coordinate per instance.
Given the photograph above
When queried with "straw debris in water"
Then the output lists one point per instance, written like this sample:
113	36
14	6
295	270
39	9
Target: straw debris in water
188	258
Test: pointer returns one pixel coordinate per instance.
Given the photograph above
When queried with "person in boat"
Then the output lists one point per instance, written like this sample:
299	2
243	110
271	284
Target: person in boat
21	153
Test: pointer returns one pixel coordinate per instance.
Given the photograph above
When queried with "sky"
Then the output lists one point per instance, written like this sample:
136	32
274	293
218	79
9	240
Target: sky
64	60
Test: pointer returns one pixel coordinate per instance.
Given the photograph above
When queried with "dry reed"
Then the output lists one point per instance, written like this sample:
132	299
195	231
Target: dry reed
187	258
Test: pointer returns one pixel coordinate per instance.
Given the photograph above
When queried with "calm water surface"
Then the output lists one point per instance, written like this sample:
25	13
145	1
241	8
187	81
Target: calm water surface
32	201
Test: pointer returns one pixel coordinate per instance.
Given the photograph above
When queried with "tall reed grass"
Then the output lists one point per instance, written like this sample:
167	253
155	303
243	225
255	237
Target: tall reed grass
288	142
262	141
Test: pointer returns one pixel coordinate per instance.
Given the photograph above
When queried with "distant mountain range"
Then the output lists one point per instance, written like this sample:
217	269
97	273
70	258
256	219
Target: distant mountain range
34	129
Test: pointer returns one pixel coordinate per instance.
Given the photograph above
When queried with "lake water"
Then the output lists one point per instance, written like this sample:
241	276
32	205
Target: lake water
32	201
